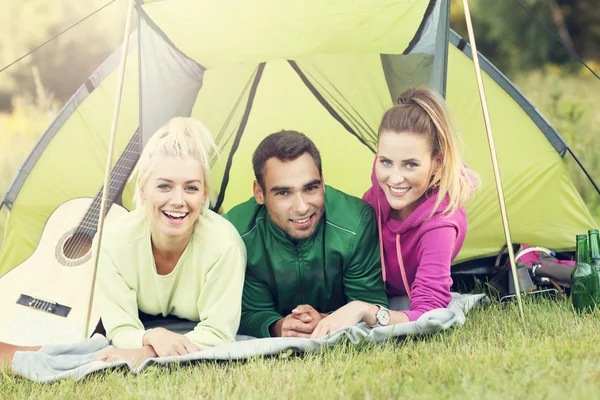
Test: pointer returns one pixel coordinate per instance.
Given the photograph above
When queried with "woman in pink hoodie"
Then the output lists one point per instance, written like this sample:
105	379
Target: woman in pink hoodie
419	189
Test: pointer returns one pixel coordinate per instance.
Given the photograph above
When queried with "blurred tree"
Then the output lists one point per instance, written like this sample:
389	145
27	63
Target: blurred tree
514	41
583	22
64	63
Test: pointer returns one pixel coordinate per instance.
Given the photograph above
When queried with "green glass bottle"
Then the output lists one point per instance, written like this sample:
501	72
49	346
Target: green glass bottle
594	241
594	237
585	286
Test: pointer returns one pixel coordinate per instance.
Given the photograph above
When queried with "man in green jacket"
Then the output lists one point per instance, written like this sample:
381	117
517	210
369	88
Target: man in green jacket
311	248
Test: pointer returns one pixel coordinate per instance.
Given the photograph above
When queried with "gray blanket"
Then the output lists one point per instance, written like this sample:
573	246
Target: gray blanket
56	362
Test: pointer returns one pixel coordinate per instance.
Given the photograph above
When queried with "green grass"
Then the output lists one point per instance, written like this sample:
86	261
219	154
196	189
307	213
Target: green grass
553	355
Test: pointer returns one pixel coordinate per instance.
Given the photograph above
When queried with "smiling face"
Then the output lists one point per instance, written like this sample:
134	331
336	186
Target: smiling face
404	169
294	195
174	194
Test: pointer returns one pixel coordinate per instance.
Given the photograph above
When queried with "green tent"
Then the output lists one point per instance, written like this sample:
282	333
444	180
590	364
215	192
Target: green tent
328	69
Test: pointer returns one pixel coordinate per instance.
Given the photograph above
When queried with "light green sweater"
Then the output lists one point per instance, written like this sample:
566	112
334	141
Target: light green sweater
206	284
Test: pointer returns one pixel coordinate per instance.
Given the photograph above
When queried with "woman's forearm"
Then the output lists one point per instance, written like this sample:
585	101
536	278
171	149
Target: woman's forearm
369	315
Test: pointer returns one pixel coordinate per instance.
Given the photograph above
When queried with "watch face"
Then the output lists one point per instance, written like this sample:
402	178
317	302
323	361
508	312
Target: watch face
383	317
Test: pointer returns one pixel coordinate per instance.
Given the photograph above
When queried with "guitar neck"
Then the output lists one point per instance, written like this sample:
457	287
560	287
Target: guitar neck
118	178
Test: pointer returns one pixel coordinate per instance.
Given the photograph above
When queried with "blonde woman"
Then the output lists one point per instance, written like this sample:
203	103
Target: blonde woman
419	189
172	255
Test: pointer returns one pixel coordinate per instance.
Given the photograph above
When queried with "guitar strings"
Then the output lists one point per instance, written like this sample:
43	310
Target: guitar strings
92	223
88	222
120	169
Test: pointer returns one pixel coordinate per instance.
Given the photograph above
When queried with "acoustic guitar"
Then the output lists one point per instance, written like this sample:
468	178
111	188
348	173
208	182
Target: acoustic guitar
44	300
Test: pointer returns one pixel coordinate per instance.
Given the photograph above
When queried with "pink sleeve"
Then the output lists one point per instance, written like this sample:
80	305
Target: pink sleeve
431	287
367	196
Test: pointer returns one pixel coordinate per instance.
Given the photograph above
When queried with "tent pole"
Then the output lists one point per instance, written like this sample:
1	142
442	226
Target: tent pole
488	129
140	95
583	169
111	145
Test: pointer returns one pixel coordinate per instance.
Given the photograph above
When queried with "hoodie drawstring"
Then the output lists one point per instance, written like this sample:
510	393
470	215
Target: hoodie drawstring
380	241
398	253
401	264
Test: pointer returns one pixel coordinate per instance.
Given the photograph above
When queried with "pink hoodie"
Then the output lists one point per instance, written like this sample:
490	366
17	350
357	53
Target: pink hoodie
427	249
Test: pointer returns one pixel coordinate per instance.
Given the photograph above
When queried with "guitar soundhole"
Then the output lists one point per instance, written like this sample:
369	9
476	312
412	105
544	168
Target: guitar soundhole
74	248
77	246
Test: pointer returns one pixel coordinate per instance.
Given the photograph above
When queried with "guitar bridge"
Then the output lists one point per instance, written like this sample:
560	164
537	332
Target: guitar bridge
51	307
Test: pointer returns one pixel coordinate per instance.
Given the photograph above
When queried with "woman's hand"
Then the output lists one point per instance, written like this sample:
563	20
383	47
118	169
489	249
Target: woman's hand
167	343
132	356
348	315
7	352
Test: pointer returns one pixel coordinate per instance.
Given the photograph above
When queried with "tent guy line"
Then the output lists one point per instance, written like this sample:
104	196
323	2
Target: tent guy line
559	40
57	35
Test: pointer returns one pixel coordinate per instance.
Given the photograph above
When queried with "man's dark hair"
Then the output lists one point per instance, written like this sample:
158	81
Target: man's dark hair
286	146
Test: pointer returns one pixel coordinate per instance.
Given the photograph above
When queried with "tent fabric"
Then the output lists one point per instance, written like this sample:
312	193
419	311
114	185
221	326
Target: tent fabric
68	109
543	124
404	72
169	80
275	109
543	206
440	65
264	30
73	361
426	42
328	69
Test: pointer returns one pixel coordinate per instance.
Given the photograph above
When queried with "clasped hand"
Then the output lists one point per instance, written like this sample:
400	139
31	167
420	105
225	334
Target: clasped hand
300	323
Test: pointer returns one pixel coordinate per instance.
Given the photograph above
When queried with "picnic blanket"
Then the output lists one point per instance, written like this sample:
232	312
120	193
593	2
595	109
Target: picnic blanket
56	362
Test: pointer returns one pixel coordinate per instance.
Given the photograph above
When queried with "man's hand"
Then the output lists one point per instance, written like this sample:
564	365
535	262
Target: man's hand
167	343
300	323
133	356
306	313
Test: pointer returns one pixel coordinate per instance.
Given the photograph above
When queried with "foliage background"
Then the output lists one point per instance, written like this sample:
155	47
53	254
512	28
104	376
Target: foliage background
34	89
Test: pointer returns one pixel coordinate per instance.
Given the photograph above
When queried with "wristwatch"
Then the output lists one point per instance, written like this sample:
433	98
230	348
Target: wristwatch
382	317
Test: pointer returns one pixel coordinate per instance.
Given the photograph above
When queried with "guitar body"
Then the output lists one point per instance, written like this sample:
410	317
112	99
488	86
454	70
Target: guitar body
44	300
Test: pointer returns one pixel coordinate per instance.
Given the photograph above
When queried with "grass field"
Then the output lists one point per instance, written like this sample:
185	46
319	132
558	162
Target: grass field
554	355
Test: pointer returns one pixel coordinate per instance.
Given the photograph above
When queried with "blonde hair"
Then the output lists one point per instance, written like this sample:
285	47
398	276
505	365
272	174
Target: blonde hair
422	111
179	137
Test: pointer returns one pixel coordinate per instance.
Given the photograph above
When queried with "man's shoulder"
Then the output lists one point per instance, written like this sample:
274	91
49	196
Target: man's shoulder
345	212
245	215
